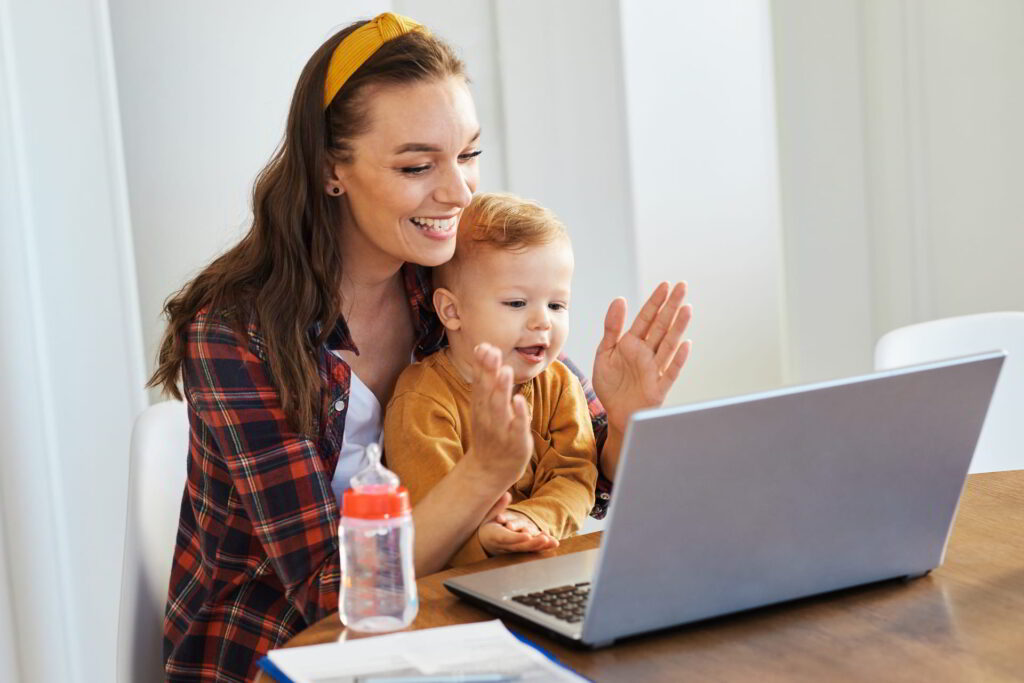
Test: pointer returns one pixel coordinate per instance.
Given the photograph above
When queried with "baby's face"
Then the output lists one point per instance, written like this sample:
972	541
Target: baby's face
518	302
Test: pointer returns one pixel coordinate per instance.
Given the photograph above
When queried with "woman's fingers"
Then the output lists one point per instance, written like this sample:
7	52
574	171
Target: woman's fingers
666	316
670	375
614	323
645	318
666	350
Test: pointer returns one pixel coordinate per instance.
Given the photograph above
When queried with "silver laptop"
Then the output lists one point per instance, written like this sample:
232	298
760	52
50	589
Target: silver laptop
734	504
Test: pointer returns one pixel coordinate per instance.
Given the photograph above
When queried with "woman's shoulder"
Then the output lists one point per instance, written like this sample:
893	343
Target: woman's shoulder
226	326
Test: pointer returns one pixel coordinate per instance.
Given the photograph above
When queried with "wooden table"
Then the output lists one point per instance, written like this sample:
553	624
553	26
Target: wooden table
963	622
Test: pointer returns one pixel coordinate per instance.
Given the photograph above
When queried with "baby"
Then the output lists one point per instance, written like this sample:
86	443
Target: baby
508	285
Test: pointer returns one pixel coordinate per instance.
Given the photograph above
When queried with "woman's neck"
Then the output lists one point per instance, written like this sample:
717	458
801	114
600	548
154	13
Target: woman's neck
362	295
368	274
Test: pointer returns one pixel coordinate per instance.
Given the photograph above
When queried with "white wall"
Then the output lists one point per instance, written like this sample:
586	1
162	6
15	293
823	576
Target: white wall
204	94
901	160
8	629
945	85
704	180
820	110
70	355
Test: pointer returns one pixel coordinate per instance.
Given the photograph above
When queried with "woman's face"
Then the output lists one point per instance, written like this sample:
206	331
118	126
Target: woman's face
412	172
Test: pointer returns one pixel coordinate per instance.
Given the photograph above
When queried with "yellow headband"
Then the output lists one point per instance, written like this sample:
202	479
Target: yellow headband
359	45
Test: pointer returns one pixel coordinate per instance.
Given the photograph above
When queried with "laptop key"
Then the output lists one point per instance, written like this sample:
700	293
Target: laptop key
566	603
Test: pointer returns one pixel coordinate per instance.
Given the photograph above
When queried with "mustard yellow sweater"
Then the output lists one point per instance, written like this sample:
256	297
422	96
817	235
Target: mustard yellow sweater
427	430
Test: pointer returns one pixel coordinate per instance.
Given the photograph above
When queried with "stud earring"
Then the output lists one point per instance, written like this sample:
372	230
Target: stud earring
335	190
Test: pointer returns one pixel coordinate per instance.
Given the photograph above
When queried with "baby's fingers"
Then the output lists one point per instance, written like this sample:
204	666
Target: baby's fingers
505	539
501	396
518	524
520	414
532	544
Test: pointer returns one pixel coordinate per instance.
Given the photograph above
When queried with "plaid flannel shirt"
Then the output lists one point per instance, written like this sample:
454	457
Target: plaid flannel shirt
256	559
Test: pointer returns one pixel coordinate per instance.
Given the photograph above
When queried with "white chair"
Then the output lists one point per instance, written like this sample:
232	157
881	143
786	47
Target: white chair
1001	446
156	481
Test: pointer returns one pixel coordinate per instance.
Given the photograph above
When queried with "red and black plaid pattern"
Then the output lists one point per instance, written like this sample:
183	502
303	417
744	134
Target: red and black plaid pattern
256	559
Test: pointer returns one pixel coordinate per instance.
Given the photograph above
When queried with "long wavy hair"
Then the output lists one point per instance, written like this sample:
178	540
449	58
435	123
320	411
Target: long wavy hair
286	271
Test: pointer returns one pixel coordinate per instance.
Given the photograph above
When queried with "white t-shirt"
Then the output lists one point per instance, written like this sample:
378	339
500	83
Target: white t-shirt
362	427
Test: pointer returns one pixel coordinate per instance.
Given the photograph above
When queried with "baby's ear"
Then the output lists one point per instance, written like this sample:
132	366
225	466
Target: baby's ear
447	306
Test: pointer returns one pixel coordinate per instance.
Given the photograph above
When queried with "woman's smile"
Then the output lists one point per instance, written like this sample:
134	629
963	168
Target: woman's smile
437	228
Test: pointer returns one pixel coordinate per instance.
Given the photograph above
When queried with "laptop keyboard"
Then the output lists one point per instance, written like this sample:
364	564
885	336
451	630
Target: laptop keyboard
564	602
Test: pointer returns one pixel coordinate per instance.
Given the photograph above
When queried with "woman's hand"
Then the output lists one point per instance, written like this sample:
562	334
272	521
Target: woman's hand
502	444
635	370
512	532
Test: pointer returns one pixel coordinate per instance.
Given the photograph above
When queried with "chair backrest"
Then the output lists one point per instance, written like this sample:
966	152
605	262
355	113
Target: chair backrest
1001	446
156	481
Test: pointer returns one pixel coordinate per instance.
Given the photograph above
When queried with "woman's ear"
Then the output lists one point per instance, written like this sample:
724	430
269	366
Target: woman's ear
334	179
447	306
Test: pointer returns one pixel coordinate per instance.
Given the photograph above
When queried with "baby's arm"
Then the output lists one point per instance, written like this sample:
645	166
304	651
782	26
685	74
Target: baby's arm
422	443
566	472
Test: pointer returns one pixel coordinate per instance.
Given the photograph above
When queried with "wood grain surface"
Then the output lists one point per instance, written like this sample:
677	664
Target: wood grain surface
963	622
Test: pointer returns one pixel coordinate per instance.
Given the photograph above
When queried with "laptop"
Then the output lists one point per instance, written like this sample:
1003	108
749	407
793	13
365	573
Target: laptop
734	504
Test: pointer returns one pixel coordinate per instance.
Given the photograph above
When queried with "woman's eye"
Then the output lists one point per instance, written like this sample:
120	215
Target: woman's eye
515	304
414	170
420	170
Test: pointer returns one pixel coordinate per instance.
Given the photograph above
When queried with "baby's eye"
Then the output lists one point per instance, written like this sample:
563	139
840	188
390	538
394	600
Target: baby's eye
518	303
557	306
414	170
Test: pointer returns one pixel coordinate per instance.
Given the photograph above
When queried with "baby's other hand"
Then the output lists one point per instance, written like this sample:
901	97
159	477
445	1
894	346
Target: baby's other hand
515	534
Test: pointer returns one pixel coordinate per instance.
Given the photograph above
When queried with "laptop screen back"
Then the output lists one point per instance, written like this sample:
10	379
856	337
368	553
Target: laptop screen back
743	502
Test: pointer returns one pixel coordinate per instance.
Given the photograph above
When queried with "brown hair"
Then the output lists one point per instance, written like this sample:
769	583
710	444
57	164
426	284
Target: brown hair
286	272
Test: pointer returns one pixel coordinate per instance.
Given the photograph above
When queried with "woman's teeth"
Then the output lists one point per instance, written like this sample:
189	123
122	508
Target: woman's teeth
436	224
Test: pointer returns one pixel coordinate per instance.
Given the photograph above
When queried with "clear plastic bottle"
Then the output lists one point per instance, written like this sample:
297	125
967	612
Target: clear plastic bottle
378	582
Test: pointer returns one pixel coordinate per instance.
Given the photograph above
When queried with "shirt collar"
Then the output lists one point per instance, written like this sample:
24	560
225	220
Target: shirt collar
429	331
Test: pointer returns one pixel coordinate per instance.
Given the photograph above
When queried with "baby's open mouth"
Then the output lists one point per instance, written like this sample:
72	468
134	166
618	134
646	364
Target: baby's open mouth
532	353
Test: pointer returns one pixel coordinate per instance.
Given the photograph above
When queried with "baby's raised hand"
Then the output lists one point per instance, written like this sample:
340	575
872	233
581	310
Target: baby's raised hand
502	444
515	533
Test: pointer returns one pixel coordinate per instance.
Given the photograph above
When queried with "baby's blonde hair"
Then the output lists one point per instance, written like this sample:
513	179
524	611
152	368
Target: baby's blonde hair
506	221
502	221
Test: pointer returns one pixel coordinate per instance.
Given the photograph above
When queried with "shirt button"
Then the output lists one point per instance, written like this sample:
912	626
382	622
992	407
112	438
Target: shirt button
339	405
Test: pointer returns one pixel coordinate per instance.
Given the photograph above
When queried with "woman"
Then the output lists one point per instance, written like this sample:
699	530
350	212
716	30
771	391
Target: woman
288	344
